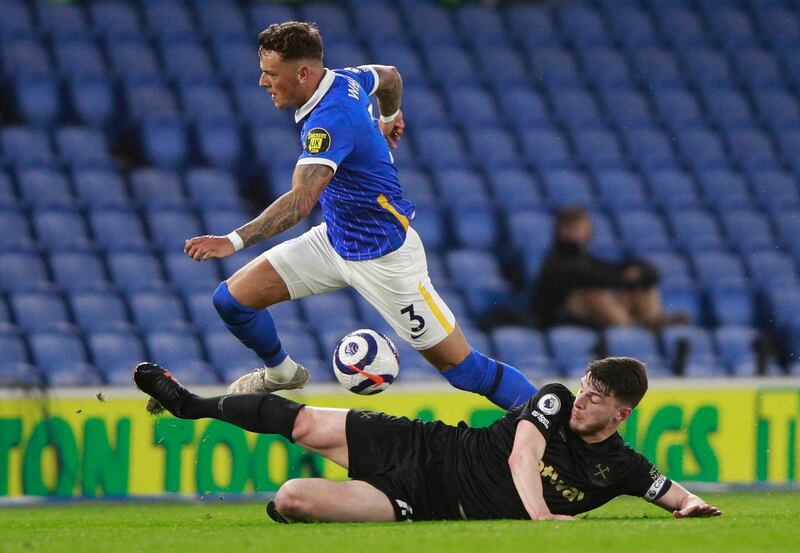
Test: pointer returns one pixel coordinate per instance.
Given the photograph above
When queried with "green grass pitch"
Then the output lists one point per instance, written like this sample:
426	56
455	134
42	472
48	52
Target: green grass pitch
753	522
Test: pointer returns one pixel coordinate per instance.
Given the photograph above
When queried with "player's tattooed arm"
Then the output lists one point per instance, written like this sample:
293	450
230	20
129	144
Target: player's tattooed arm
390	88
308	182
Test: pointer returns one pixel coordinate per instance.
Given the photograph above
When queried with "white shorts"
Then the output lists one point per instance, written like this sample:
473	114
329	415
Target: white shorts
397	284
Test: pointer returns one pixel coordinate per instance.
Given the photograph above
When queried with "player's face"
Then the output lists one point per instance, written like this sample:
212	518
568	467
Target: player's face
593	412
280	78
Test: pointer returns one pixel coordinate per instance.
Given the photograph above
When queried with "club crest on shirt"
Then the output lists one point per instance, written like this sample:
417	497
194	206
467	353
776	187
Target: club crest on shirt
549	404
318	140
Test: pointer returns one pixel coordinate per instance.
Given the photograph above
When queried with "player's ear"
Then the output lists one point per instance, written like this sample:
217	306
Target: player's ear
623	414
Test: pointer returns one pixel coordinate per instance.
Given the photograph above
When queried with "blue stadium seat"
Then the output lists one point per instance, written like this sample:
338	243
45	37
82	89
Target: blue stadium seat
12	347
724	189
80	57
117	230
747	230
441	148
289	315
732	27
546	148
135	271
133	59
707	67
37	101
25	146
202	313
554	66
22	270
565	187
164	142
92	100
771	268
379	22
325	311
493	56
475	225
639	343
673	269
650	147
779	25
481	25
303	347
26	57
606	67
677	107
422	107
115	18
39	311
598	148
430	225
727	107
157	188
345	54
168	19
222	221
526	227
643	231
657	67
751	148
260	15
332	19
182	352
732	306
78	270
275	146
691	347
229	356
186	60
16	21
719	269
15	233
450	64
234	59
460	185
99	311
59	354
478	103
701	148
531	24
775	190
621	189
171	227
19	375
778	108
757	67
203	101
212	188
157	311
576	107
789	141
115	353
219	142
672	189
478	275
403	57
422	17
524	349
632	27
582	25
151	98
188	275
627	107
221	17
81	146
573	348
681	26
514	189
45	188
695	230
100	187
8	196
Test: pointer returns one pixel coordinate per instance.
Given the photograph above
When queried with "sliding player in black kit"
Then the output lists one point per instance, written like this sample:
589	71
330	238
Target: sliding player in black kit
554	457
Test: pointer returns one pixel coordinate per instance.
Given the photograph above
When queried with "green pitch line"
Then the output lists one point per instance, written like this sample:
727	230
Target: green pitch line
753	522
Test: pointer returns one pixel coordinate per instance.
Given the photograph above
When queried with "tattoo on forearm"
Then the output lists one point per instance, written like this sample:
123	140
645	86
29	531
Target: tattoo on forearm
289	209
390	90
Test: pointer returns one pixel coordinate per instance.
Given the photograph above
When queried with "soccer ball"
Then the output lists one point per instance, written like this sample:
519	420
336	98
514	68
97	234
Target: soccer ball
365	362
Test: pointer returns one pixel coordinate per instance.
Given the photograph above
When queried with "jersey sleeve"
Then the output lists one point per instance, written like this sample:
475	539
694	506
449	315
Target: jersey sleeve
645	480
365	75
327	138
548	409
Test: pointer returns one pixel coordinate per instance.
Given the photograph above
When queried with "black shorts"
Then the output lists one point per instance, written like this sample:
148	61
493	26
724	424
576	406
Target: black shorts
412	462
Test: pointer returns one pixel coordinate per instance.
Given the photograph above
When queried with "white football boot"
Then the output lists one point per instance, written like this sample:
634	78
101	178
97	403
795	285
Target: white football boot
260	381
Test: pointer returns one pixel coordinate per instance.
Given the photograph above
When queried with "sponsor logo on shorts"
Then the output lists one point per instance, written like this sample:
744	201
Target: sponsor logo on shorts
549	404
318	140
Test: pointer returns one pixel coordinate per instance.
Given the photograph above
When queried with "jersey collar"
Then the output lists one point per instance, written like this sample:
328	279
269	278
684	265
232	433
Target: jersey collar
322	89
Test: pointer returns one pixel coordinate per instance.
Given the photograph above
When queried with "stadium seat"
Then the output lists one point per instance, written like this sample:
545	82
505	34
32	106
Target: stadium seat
514	189
99	187
598	148
747	230
605	67
275	146
639	343
137	271
554	66
117	230
229	356
17	20
187	275
205	101
133	59
212	188
15	234
475	225
582	25
115	18
524	349
771	268
303	347
182	352
168	19
324	312
221	17
491	56
441	148
650	148
627	107
751	148
45	188
78	270
202	313
701	148
690	352
707	67
576	108
25	146
59	353
379	21
695	230
170	228
26	57
460	186
621	189
39	311
429	224
732	306
493	148
423	108
673	269
727	107
546	148
422	17
657	67
532	24
331	18
80	57
157	311
92	100
219	142
81	146
99	311
724	189
37	101
22	270
164	142
573	348
565	187
681	26
158	188
115	353
719	269
149	98
523	108
776	190
632	27
643	231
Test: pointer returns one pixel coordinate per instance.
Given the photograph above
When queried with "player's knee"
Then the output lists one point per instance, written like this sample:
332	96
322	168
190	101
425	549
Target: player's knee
291	499
228	308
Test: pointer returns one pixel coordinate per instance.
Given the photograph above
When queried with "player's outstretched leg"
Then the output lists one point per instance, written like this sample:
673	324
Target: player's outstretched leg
256	329
316	499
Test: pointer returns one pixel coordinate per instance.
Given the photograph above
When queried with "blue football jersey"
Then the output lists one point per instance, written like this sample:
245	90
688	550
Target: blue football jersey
363	205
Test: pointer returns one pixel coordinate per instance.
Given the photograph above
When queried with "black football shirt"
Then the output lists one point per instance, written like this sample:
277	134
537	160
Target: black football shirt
576	476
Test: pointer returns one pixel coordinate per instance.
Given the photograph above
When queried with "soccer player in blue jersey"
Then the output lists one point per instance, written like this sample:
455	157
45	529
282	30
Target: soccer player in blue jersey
365	241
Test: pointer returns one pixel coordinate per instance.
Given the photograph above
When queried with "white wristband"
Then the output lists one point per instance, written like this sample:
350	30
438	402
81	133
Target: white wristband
236	240
389	118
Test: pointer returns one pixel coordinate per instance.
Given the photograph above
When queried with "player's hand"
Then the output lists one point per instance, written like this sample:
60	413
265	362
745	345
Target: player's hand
700	509
201	248
393	131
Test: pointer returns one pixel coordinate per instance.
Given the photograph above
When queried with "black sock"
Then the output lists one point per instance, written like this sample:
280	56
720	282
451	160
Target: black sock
262	413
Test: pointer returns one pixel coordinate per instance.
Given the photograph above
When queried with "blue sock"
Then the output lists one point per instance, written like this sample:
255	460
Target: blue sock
502	384
254	327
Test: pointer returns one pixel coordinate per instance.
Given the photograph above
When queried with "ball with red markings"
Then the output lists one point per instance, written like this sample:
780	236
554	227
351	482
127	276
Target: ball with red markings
366	362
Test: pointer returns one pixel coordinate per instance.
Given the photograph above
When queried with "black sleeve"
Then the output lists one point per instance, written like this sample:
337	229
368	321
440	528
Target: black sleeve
645	480
548	409
588	272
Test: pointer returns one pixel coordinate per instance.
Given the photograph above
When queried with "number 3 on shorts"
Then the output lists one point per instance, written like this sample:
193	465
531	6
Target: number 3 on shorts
414	319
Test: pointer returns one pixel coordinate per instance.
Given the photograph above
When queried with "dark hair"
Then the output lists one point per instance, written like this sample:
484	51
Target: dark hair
625	377
292	40
571	215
